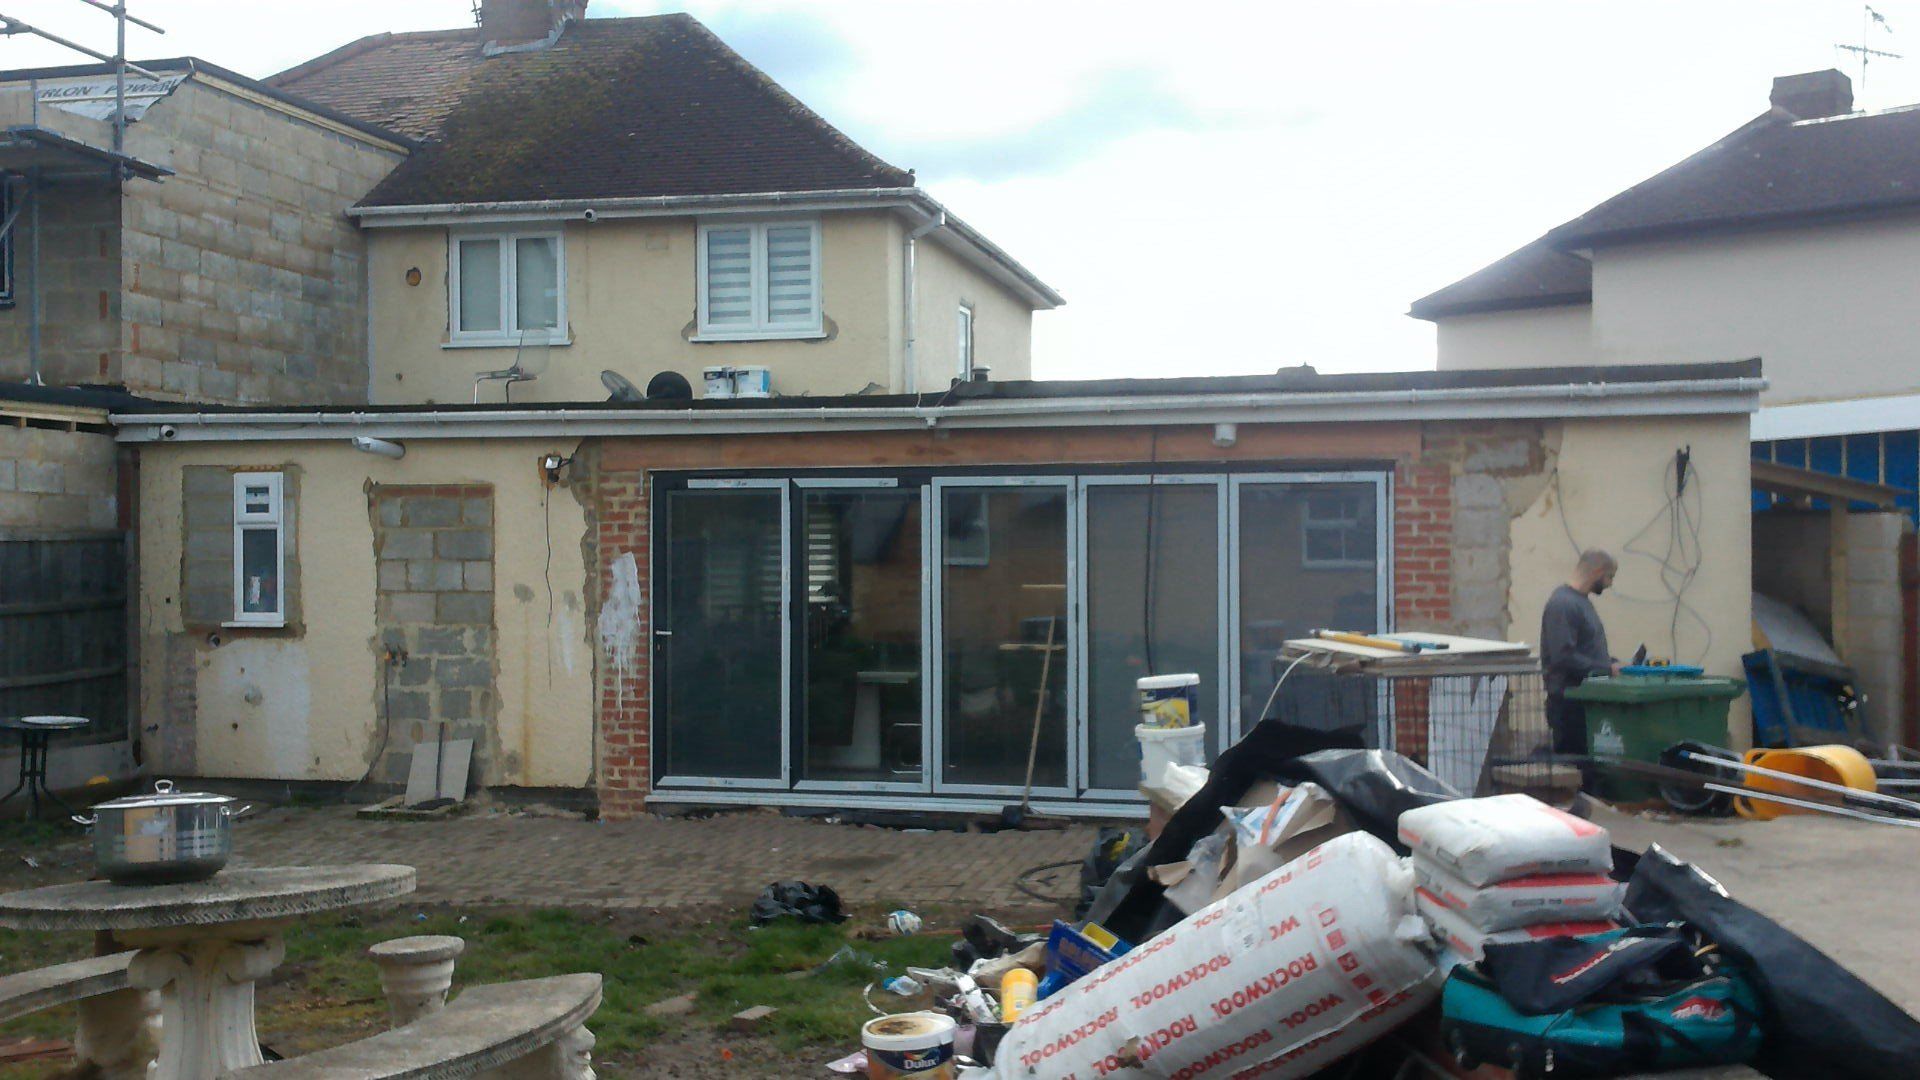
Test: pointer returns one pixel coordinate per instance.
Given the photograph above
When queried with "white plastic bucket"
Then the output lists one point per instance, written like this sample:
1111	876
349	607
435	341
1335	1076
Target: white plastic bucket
1161	747
752	381
1166	701
918	1044
719	381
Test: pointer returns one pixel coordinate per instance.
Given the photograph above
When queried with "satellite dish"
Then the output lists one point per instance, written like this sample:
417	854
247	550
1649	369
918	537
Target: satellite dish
619	387
669	386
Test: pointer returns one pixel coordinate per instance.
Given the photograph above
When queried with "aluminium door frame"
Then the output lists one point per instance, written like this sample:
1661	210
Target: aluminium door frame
935	642
785	780
1381	479
1083	624
806	485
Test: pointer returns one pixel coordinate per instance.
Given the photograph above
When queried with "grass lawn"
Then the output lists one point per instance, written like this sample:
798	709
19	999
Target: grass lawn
328	992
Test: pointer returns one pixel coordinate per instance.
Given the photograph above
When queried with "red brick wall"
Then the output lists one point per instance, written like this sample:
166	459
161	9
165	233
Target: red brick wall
1422	580
621	525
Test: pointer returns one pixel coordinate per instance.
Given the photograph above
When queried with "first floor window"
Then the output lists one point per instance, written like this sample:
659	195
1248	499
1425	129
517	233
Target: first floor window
759	279
966	341
259	549
507	286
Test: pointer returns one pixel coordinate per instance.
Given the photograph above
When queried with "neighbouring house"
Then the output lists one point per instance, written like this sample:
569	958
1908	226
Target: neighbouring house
1796	239
197	250
630	195
872	600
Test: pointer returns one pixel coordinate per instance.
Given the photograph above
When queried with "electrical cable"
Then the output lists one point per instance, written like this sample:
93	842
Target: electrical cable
1020	882
386	721
1278	683
1147	608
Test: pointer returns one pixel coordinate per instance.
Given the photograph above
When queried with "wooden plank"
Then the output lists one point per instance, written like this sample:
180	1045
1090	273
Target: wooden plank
1839	569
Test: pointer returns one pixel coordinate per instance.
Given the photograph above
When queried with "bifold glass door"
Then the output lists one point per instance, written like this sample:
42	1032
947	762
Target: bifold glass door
969	635
860	704
1005	657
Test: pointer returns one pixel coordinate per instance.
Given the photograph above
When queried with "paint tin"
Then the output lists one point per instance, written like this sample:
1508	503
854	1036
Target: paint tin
719	381
916	1044
1166	701
752	381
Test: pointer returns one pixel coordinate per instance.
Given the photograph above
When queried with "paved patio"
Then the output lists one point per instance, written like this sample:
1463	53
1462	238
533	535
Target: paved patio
506	858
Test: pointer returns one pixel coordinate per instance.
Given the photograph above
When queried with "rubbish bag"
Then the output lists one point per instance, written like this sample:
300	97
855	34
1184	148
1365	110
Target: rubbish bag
1110	849
1820	1019
799	900
1555	974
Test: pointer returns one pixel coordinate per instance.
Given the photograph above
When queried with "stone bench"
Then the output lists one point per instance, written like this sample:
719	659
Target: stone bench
530	1030
115	1034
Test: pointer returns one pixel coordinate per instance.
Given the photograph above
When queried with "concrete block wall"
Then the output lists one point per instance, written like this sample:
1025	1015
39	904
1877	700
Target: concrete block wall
79	289
1791	563
435	586
54	479
244	280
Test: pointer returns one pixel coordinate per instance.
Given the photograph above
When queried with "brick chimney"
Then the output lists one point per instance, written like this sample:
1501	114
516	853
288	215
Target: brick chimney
507	23
1814	95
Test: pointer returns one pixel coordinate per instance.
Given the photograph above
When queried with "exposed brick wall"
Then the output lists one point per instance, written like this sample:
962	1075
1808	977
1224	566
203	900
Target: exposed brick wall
1422	545
622	658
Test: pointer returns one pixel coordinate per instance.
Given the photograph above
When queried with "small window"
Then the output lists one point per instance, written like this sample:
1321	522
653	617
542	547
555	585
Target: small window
966	342
759	280
506	286
6	240
259	549
1336	531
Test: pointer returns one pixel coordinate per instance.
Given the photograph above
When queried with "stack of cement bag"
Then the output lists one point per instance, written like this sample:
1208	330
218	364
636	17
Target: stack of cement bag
1508	869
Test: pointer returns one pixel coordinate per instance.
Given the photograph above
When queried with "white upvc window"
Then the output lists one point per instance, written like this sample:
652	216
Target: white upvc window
506	288
759	280
259	549
1336	532
966	341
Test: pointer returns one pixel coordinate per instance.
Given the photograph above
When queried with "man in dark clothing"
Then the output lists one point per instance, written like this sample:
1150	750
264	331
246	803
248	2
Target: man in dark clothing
1573	646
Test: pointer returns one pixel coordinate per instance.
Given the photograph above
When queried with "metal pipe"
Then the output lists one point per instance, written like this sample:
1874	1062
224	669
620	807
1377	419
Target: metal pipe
1893	804
10	26
911	378
120	11
1825	808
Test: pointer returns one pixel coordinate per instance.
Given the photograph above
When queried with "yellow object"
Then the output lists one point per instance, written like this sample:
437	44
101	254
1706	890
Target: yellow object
1099	935
1019	989
1833	764
1367	640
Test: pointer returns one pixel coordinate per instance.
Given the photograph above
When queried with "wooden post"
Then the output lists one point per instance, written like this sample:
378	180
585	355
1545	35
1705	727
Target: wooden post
1838	572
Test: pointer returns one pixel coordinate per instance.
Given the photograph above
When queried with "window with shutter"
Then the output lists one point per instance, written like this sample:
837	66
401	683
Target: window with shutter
759	280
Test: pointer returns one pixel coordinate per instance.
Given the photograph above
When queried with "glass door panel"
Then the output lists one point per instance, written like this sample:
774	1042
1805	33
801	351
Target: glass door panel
1309	558
723	570
860	637
1004	636
1152	603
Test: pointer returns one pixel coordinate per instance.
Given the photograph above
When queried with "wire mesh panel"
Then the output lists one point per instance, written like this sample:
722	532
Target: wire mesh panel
1483	732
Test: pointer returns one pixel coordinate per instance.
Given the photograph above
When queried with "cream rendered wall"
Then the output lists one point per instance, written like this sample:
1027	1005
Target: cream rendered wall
1002	324
317	717
1538	337
1829	308
1610	492
630	306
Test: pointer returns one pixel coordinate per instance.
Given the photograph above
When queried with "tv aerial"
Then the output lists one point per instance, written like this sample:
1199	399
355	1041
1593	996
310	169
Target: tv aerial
1868	21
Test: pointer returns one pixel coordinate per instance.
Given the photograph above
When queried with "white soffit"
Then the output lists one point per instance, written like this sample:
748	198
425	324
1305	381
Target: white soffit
1900	412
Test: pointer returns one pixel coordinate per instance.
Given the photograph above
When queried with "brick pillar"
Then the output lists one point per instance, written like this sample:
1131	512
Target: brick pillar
623	654
1422	581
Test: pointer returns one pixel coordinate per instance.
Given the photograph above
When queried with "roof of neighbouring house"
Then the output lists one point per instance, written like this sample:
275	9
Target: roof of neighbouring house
1774	170
616	108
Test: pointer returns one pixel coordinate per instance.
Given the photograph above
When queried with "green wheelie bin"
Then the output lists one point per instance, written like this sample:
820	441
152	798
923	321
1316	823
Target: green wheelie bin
1640	712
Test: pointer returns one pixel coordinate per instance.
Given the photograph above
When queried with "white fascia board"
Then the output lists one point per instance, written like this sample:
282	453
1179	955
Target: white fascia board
1900	412
1728	397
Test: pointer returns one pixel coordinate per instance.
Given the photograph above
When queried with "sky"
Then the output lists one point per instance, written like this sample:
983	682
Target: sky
1216	188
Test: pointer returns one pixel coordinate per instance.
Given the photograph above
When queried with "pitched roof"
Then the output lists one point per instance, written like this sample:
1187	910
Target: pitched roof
1537	275
1773	170
654	106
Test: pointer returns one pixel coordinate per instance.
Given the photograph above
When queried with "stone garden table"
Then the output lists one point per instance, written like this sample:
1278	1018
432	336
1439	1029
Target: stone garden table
203	944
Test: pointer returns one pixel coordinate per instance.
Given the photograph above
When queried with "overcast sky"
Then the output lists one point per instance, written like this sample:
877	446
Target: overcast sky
1215	188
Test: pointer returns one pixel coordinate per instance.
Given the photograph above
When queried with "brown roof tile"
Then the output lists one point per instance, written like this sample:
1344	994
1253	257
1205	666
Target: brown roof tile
616	108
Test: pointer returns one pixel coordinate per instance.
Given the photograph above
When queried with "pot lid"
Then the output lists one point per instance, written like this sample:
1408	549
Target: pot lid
163	794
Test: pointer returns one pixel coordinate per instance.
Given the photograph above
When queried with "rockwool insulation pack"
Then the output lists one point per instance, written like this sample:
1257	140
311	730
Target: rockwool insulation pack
1525	901
1290	972
1502	837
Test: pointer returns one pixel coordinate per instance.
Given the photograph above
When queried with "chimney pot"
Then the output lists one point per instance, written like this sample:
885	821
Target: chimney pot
1813	95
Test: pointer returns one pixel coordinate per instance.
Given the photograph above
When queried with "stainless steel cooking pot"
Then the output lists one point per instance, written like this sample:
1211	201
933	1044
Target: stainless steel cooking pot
165	836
